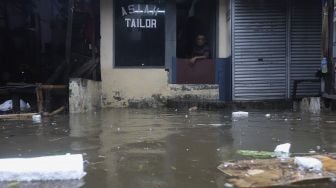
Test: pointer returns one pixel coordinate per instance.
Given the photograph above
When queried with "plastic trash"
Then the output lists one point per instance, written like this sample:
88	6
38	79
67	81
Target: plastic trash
268	115
308	163
61	167
256	154
194	108
217	124
8	105
37	118
228	185
282	150
240	114
324	65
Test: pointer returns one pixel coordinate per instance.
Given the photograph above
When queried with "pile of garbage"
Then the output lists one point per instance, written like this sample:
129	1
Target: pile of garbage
278	168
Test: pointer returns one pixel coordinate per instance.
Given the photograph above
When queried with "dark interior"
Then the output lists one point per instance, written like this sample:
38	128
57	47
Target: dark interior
195	17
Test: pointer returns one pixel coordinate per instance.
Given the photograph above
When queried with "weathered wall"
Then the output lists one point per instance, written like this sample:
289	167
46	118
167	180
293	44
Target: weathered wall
84	95
122	87
224	29
121	84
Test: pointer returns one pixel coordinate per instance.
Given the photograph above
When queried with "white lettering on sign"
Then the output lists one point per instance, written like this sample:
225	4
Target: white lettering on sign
141	12
131	9
140	23
123	11
141	9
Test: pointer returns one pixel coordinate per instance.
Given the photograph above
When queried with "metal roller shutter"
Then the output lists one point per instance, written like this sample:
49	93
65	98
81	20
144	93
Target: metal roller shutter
305	54
259	49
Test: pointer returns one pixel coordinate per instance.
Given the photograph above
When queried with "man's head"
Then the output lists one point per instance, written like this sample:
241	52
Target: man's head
200	40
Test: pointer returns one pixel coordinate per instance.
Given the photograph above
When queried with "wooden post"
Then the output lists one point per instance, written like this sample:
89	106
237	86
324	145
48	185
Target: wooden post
93	42
331	41
39	98
331	72
69	32
327	42
16	102
68	40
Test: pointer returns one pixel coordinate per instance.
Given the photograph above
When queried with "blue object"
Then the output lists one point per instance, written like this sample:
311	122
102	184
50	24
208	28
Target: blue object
224	78
324	65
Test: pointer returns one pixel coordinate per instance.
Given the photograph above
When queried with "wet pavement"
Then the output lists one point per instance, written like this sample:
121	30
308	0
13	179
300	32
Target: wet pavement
134	148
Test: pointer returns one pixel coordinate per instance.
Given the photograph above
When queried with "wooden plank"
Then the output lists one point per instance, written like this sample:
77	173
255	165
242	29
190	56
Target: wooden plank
55	112
39	99
18	116
53	86
69	31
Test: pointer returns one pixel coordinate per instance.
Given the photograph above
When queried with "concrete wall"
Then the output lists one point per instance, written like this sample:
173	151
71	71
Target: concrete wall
224	29
124	86
84	95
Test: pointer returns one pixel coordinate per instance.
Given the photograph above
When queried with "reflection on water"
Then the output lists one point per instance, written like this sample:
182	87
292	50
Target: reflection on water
126	148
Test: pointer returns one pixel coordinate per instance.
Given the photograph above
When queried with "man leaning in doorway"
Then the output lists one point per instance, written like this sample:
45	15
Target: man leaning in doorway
200	49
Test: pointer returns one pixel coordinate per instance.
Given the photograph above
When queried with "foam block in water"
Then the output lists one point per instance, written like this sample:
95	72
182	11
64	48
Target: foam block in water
61	167
240	114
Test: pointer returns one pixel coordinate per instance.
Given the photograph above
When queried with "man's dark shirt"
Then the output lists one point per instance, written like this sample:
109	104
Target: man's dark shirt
201	51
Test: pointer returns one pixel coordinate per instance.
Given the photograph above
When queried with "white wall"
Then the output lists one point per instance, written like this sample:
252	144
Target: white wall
121	85
224	29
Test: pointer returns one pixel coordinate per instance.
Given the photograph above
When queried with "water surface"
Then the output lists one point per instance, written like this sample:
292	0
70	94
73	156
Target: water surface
137	148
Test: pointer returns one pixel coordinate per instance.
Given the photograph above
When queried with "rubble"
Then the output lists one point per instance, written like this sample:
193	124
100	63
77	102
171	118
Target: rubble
308	163
276	172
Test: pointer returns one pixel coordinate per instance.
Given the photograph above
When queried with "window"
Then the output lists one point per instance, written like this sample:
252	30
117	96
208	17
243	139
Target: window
139	33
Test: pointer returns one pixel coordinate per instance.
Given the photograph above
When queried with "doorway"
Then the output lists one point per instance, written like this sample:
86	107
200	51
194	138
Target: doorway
195	42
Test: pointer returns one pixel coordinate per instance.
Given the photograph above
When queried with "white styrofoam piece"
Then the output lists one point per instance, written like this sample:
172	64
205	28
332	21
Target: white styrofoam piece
37	118
308	163
8	105
282	150
61	167
240	114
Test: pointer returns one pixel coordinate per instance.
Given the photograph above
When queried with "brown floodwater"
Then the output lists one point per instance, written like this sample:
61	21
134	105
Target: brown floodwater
166	148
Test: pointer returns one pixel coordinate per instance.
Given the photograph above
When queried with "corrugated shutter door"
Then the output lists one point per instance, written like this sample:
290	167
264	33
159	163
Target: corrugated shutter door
306	27
259	49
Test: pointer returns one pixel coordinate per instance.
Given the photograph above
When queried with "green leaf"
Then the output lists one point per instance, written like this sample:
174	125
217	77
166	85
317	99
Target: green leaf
256	154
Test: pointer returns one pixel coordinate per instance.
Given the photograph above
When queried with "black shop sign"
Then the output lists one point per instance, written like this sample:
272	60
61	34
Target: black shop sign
139	33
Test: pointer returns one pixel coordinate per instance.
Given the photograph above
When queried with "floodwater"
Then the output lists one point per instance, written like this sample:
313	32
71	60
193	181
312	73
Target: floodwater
167	148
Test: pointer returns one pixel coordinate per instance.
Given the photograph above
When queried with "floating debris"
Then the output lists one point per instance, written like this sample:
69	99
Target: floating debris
308	163
256	154
61	167
240	114
37	118
282	150
194	108
228	185
217	124
276	172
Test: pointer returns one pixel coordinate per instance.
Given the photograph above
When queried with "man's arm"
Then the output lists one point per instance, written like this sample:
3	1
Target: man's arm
194	59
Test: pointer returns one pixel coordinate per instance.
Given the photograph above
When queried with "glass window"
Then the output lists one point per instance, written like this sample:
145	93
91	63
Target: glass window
139	33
